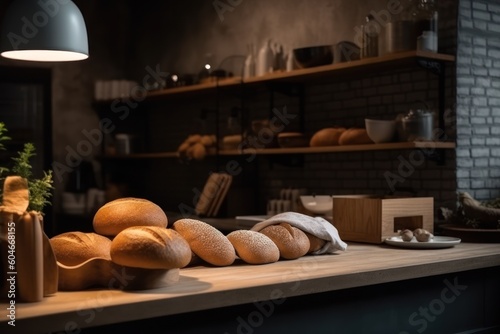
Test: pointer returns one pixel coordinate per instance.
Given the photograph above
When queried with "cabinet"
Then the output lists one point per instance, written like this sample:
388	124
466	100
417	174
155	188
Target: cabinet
434	62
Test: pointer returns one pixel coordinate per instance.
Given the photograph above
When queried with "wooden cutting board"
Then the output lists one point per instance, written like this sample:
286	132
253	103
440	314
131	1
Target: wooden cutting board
208	194
226	184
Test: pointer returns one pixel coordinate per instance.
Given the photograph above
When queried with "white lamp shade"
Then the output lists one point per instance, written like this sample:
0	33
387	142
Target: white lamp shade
44	30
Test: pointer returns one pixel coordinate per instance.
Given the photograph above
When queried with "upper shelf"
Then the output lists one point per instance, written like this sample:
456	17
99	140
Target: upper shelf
428	145
376	63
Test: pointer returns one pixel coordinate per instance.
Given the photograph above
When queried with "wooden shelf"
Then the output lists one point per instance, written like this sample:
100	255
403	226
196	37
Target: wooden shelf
302	150
377	63
142	155
355	148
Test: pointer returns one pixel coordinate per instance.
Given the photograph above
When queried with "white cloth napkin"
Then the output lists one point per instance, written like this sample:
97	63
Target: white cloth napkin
316	226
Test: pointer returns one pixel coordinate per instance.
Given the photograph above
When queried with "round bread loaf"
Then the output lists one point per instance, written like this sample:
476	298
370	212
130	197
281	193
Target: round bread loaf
119	214
291	241
206	241
150	247
326	137
254	247
355	136
73	248
315	243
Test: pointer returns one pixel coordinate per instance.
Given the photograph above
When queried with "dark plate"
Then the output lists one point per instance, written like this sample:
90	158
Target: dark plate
468	234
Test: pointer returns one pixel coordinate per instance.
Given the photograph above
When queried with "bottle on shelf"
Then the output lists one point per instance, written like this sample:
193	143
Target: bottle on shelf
265	59
371	31
249	70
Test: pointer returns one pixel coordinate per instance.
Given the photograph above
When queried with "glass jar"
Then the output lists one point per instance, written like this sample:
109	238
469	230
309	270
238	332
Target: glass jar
400	30
426	25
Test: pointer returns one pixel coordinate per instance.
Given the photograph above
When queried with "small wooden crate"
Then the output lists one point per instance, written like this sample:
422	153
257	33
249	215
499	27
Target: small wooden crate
371	219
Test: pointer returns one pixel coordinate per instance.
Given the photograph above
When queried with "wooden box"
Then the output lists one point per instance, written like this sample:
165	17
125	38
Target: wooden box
371	219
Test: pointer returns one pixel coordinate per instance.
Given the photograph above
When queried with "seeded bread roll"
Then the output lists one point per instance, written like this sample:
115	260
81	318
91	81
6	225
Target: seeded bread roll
206	241
117	215
291	241
73	248
254	247
150	247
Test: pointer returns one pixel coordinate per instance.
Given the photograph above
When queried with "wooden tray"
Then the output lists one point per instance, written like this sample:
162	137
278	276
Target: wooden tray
468	234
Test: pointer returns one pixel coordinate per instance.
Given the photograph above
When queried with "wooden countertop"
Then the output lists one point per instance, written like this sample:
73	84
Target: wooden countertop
201	288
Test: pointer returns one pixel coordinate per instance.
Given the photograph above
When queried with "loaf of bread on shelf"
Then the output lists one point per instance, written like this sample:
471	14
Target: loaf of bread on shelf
117	215
74	248
355	136
207	242
291	241
254	247
326	137
196	146
150	247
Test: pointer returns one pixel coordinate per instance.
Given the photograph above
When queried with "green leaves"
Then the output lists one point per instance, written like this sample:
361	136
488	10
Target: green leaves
40	190
22	165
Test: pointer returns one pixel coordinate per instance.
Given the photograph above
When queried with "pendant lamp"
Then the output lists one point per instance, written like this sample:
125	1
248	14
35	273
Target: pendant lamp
44	30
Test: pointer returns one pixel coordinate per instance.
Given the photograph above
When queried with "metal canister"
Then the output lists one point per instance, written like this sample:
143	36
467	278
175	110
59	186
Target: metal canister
418	125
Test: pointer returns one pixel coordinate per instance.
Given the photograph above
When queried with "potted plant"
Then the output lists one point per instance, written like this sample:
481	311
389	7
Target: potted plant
28	262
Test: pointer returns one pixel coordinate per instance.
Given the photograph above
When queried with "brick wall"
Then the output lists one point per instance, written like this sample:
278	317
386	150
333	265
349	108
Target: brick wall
478	98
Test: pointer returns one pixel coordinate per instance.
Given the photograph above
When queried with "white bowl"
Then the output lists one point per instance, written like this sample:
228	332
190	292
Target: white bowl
380	131
318	204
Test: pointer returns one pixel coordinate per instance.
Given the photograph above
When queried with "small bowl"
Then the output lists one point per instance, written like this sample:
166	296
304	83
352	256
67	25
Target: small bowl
292	139
313	56
317	204
380	131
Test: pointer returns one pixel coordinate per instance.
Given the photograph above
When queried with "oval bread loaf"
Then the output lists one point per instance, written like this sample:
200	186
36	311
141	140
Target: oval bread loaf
117	215
254	247
73	248
291	241
150	247
326	137
207	242
355	136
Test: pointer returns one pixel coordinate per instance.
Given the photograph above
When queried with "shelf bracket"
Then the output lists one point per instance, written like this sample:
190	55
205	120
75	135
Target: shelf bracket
438	68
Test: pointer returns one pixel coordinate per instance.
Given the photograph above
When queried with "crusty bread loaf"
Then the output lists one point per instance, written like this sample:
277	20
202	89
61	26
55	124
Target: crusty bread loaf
291	241
326	137
206	241
315	243
150	247
355	136
74	248
254	247
117	215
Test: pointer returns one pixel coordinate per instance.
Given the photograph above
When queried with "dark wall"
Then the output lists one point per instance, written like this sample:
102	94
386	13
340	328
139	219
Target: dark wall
126	38
344	102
